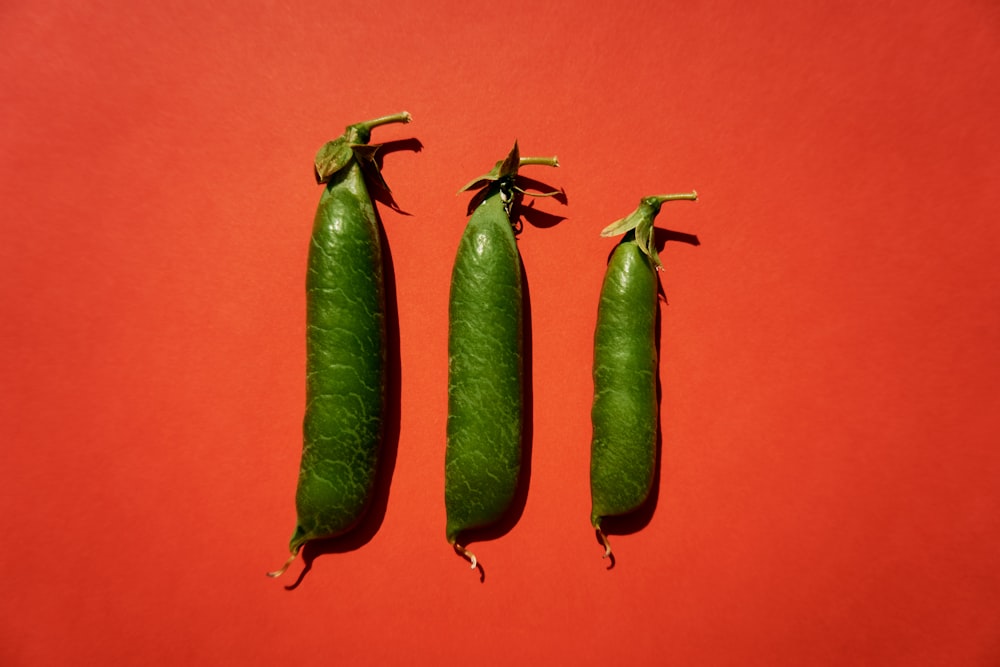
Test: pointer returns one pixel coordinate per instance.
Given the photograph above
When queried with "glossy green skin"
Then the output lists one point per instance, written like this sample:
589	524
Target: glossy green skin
345	362
485	370
624	411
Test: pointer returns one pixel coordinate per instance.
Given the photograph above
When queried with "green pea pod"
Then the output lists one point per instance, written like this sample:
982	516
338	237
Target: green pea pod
345	344
624	413
485	362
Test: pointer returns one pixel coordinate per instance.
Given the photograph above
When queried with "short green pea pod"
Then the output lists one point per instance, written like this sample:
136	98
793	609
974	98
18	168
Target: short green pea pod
345	344
485	360
624	413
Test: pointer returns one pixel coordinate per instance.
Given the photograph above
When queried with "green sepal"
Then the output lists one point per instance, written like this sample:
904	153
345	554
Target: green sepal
365	155
503	177
506	169
641	221
645	238
332	157
337	154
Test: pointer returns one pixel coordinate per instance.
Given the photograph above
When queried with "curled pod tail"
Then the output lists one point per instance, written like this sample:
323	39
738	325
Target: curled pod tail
466	554
281	570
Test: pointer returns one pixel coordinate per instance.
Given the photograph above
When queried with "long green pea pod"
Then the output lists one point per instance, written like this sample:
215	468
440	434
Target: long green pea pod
485	360
624	414
345	344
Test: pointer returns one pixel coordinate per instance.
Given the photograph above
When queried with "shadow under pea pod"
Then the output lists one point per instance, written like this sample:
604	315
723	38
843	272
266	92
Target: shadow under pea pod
373	178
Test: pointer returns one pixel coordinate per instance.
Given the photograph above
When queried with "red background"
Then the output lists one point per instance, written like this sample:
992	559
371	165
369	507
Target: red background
830	410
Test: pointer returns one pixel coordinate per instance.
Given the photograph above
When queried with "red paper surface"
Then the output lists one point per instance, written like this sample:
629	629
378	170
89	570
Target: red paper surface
828	488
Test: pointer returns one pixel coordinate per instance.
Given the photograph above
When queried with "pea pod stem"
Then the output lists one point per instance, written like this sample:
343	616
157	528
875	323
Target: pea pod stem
689	196
361	133
401	117
544	161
